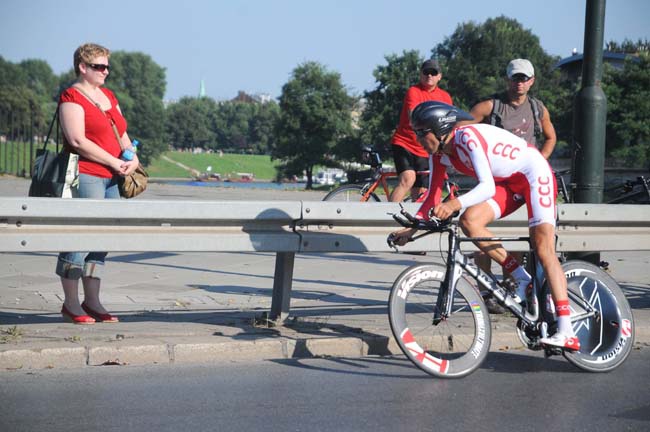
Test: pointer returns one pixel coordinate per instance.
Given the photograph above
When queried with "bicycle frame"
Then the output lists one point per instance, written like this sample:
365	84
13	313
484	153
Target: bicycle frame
457	263
380	178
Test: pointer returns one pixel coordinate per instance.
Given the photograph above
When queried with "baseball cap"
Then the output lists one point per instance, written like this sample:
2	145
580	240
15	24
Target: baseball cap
520	66
430	64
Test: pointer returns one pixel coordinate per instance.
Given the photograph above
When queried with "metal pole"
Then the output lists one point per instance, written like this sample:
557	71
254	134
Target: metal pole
590	115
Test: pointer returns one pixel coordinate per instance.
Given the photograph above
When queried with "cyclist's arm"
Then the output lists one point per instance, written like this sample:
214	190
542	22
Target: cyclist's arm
486	187
549	135
437	177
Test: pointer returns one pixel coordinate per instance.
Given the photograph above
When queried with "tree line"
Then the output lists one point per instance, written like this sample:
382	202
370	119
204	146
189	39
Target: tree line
317	122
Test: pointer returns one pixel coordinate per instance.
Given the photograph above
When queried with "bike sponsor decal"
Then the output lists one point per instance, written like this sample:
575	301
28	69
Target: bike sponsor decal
613	353
407	286
480	337
626	328
421	356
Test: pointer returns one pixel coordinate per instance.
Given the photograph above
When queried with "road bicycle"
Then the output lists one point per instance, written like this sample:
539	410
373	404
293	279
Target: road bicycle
365	192
630	192
440	321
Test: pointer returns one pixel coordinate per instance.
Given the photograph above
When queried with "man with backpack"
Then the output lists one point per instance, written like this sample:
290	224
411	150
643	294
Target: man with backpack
521	114
516	111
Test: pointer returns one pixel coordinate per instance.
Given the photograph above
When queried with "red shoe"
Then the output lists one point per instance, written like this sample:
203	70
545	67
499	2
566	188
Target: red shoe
76	319
101	317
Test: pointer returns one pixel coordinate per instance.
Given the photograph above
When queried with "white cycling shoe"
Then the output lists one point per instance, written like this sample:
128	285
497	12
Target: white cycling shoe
561	340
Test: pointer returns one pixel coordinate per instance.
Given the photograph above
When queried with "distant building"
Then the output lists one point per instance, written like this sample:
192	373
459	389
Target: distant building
571	67
262	98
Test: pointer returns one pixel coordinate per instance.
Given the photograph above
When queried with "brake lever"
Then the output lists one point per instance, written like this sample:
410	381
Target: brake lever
391	241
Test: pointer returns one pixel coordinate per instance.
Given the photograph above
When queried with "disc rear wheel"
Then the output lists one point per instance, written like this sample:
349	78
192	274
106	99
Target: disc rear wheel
606	337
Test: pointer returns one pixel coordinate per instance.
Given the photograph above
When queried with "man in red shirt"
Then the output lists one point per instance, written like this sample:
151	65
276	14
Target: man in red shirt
409	156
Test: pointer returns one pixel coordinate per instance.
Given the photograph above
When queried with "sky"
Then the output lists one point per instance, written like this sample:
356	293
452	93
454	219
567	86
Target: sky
254	45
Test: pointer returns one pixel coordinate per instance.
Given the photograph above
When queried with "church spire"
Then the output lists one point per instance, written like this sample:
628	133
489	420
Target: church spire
202	89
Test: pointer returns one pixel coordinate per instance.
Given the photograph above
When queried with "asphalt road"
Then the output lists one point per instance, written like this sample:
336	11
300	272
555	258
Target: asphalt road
511	391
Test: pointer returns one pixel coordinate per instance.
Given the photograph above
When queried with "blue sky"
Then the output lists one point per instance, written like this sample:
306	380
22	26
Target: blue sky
253	45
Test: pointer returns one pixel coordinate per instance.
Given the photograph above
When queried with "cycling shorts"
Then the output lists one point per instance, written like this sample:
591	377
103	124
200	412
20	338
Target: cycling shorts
407	161
539	196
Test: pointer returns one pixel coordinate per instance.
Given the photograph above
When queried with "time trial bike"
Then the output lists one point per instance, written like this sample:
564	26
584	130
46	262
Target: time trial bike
440	322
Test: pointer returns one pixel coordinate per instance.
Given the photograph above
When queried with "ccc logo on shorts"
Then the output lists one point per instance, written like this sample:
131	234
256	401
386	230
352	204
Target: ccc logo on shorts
544	191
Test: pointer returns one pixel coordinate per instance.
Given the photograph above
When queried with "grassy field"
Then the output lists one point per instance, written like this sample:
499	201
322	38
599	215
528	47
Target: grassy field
261	166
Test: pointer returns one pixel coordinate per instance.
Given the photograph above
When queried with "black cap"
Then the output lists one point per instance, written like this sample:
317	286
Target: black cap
430	64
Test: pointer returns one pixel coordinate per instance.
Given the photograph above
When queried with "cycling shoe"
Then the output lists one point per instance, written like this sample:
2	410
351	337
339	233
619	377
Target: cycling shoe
561	340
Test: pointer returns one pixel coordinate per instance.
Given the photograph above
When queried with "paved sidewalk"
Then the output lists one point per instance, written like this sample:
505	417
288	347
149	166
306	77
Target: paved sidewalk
202	307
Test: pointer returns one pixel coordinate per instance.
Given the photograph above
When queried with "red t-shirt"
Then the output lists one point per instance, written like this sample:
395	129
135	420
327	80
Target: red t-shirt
404	135
98	129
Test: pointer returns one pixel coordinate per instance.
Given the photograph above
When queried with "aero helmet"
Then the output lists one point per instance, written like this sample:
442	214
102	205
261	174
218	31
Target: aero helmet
437	117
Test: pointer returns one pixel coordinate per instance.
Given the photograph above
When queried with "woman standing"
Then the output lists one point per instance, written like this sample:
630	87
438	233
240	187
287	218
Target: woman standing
89	114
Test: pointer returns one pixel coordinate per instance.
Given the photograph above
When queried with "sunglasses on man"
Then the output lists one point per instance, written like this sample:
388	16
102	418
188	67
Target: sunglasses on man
99	67
432	72
519	78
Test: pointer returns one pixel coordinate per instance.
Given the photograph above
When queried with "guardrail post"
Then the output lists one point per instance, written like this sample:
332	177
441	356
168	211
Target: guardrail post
282	284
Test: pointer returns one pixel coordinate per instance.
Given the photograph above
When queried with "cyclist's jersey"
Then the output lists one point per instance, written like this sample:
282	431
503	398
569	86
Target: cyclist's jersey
504	165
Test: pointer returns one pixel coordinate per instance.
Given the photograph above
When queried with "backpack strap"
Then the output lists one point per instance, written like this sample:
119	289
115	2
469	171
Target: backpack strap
537	115
497	110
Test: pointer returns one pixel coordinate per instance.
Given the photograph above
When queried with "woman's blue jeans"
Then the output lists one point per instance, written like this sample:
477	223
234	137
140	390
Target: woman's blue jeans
74	265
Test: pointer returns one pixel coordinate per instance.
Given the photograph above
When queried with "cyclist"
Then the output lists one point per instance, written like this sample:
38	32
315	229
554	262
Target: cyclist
506	167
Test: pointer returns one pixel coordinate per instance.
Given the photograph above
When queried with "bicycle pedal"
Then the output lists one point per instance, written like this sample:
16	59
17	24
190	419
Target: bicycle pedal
551	351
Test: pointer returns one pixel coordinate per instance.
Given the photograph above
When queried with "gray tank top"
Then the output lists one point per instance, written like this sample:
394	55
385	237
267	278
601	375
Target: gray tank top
520	120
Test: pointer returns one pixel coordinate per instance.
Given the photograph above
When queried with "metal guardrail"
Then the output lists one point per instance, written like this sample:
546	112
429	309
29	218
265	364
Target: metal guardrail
282	227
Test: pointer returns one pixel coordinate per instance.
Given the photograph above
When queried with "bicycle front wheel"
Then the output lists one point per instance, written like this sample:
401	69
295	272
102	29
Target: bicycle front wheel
350	193
606	338
455	346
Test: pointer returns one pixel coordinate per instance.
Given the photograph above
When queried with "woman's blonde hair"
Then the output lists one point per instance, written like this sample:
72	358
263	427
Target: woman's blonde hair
87	52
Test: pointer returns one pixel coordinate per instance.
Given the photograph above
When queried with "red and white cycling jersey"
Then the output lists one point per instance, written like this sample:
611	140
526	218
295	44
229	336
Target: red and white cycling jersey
507	169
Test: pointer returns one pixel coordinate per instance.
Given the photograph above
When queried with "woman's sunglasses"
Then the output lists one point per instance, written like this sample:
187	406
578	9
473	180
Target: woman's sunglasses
99	67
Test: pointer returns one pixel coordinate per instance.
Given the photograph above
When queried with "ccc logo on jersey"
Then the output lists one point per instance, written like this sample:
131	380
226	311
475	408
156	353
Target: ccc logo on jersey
506	150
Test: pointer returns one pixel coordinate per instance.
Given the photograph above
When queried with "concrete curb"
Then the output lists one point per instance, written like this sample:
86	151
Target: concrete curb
201	350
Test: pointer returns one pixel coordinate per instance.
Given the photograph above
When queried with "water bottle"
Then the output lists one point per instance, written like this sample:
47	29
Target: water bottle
127	154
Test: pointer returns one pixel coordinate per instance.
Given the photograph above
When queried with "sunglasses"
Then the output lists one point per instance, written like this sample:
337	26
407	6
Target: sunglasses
421	133
99	67
520	78
432	72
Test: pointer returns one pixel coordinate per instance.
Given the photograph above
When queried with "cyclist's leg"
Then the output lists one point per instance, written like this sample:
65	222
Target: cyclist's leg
406	173
474	223
540	202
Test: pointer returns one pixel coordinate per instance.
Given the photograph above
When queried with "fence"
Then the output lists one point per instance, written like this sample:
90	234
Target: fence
285	228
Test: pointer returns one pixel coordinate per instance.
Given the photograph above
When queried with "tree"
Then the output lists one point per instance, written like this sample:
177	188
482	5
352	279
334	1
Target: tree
232	125
26	92
190	123
628	110
384	103
315	113
40	78
261	127
139	84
